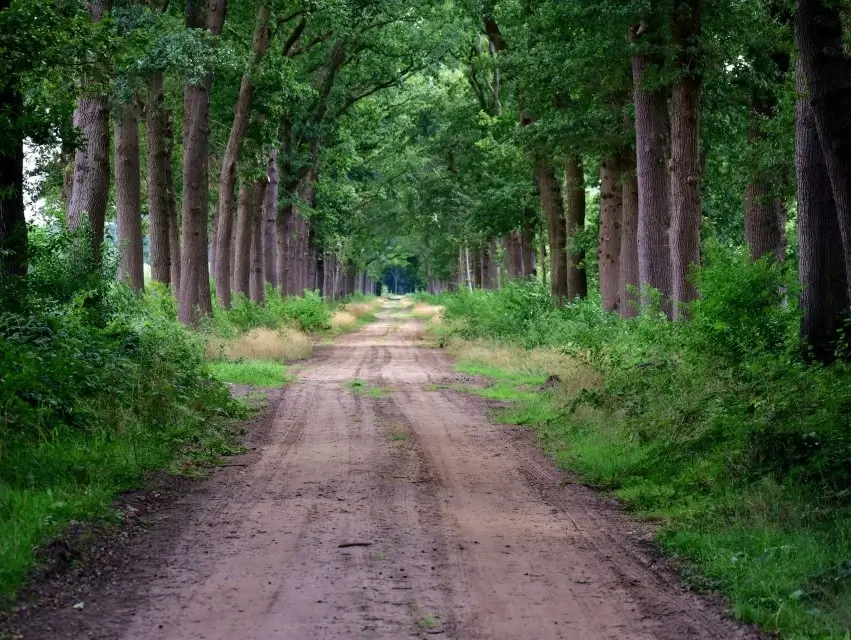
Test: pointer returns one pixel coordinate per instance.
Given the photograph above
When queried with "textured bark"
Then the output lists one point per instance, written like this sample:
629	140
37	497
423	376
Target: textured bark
551	199
194	290
90	188
651	132
609	244
826	66
685	155
227	178
173	228
765	222
270	213
90	191
577	280
248	210
158	173
628	284
13	224
283	239
822	273
128	203
488	273
527	244
512	255
257	283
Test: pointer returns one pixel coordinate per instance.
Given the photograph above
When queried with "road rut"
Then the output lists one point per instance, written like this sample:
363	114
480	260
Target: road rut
395	509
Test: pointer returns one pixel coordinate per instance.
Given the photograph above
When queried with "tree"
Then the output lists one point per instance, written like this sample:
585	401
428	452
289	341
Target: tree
127	194
685	152
194	291
826	65
90	186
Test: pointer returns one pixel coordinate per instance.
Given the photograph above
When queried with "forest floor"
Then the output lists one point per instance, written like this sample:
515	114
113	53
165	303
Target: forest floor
378	503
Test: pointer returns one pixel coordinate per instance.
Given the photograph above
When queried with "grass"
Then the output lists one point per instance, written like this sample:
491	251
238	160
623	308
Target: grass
360	387
782	562
257	373
398	433
74	477
283	345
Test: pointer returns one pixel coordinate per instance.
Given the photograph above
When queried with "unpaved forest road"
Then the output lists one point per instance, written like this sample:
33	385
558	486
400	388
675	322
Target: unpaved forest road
471	532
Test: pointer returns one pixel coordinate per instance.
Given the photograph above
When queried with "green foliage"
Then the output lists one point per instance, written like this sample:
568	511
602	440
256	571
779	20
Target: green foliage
308	313
97	387
713	426
257	373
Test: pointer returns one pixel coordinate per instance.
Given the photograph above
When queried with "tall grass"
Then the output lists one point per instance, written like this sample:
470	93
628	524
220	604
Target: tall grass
713	427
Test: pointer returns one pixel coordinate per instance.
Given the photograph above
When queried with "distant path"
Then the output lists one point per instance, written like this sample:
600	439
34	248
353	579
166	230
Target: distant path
403	516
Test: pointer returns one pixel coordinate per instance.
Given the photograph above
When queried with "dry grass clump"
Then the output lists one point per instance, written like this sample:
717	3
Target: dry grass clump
423	311
284	345
574	374
359	309
343	319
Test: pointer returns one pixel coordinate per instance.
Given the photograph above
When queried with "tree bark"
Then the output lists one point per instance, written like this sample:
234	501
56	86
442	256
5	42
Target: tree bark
257	284
227	178
685	154
527	244
824	279
90	188
651	133
13	224
159	171
128	203
628	278
765	222
826	66
194	289
609	245
270	213
248	207
577	279
551	199
173	225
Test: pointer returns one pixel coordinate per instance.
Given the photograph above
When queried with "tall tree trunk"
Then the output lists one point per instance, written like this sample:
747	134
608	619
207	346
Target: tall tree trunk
651	133
527	244
765	222
270	212
257	284
13	224
577	280
685	154
128	196
550	193
609	246
157	130
250	195
824	280
194	289
826	66
227	178
90	189
628	278
283	237
173	225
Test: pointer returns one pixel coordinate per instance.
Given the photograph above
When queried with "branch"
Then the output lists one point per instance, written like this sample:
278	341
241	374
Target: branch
294	37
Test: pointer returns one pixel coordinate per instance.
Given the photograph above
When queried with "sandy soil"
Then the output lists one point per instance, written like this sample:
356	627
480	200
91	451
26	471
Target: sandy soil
392	515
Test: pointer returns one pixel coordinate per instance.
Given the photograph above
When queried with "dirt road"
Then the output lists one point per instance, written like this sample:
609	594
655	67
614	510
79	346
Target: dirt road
395	514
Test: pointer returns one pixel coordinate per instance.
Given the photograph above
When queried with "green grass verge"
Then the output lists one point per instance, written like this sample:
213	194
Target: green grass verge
258	373
75	477
772	548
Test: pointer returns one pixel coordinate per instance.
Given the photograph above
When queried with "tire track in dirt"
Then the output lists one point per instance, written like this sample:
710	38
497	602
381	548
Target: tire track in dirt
384	517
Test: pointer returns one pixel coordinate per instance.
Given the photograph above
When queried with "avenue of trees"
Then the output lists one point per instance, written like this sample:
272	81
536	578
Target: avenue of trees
317	145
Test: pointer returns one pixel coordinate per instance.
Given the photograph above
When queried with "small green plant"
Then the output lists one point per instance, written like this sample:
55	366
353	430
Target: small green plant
257	373
360	387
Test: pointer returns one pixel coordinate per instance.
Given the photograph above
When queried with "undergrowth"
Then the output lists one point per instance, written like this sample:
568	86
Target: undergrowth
99	387
715	427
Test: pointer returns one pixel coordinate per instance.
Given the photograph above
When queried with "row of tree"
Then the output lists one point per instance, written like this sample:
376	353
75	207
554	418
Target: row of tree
464	143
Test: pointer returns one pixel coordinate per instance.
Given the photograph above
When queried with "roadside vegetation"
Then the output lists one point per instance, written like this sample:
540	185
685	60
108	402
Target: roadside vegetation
100	387
718	428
